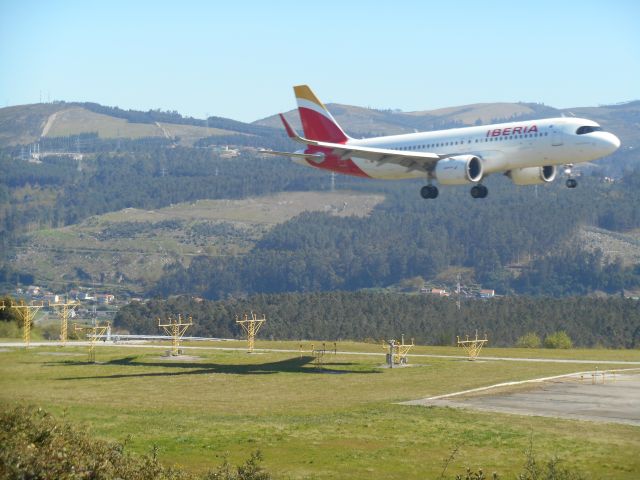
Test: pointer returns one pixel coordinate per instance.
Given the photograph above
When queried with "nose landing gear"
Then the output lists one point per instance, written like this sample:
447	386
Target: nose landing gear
570	182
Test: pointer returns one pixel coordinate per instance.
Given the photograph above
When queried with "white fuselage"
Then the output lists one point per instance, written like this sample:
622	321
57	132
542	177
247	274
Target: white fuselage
502	147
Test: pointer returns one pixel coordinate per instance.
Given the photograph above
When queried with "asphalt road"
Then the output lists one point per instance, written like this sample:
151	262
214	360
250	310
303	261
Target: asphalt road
573	397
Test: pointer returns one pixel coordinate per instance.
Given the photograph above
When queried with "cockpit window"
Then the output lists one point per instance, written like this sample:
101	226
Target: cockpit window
588	129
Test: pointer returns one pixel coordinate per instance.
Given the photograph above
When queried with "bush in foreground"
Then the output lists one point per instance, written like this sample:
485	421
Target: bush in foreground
37	446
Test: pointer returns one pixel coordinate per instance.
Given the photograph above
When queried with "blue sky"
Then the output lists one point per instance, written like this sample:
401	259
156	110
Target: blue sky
239	59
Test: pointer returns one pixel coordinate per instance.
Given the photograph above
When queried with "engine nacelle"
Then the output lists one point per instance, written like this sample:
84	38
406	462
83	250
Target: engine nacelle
459	170
533	175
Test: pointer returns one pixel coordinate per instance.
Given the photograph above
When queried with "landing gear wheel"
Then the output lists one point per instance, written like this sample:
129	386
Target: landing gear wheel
571	182
429	191
479	191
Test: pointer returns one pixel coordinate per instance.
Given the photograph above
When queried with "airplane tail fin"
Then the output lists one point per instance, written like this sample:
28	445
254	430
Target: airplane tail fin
317	122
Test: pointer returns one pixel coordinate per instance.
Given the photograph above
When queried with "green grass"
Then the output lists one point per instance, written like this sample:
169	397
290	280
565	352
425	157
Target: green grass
342	423
76	120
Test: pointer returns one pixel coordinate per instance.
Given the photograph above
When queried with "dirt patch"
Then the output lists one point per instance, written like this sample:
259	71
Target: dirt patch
625	246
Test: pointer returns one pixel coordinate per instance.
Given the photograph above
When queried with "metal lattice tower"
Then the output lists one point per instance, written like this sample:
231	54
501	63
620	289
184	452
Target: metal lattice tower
176	328
93	333
319	353
64	310
251	327
27	313
473	346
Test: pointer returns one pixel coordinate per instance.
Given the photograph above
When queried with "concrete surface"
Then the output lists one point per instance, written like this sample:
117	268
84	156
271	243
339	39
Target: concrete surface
570	397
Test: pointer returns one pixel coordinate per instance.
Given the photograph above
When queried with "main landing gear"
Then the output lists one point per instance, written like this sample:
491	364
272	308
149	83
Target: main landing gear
570	182
479	191
429	191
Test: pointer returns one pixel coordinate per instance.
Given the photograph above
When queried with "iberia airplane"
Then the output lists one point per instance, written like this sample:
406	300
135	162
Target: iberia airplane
527	152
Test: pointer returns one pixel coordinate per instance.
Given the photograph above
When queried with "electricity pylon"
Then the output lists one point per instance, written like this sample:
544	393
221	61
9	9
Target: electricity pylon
64	309
251	327
176	328
473	346
93	333
27	313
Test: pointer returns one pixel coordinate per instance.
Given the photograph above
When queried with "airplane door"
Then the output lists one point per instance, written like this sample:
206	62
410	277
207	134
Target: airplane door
556	138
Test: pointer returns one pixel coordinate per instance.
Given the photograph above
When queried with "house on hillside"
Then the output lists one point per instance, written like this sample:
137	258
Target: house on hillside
33	291
105	298
487	293
440	292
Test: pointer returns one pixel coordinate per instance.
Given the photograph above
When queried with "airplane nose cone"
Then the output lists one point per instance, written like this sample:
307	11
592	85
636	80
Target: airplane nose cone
607	142
615	142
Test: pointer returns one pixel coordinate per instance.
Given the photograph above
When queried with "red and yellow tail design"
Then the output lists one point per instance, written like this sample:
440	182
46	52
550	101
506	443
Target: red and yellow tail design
317	122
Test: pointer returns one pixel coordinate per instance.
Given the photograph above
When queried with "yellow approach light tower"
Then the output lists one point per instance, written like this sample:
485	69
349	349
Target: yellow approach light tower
473	346
251	327
175	328
27	313
93	333
64	310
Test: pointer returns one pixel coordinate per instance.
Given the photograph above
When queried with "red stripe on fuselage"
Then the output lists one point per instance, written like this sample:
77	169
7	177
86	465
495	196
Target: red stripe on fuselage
319	127
333	163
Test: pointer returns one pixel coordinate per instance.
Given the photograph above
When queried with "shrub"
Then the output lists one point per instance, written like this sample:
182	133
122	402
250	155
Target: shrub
529	340
10	330
50	332
558	340
36	446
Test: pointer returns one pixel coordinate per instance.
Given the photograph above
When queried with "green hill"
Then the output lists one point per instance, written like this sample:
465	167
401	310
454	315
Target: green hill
555	243
623	119
26	124
128	249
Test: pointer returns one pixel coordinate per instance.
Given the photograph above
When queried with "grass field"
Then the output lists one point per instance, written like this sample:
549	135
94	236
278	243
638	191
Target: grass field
77	120
341	422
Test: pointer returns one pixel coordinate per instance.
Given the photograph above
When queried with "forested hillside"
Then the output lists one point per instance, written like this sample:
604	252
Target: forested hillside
518	240
612	322
405	237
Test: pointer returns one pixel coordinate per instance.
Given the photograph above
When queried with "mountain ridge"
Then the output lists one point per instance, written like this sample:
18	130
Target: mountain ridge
24	124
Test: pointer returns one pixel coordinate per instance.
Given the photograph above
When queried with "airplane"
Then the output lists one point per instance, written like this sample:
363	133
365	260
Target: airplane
528	152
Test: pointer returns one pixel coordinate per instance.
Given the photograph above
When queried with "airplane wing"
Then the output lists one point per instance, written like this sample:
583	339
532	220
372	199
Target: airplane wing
422	161
311	156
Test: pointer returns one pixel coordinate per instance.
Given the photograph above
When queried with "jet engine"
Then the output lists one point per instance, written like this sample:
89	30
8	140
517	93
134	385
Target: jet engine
533	175
459	170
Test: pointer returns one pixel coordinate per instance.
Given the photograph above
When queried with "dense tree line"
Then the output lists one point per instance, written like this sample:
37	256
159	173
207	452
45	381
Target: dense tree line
576	272
611	322
153	178
405	237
